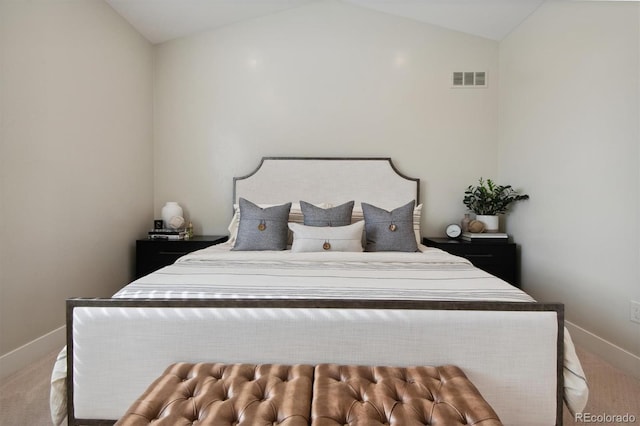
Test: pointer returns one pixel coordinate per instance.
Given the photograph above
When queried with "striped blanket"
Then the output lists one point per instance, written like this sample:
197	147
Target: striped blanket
218	272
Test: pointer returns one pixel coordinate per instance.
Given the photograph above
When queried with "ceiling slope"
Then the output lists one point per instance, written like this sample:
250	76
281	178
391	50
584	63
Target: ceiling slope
164	20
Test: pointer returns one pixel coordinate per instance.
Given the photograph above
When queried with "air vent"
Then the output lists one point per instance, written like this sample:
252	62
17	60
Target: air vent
462	79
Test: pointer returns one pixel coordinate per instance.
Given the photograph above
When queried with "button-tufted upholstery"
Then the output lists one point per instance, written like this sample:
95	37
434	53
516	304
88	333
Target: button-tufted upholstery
369	396
269	394
223	395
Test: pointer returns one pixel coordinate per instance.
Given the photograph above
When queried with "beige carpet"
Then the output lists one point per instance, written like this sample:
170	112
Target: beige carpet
24	396
610	391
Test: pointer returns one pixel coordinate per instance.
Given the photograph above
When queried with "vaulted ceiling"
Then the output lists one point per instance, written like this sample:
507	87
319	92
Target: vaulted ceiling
163	20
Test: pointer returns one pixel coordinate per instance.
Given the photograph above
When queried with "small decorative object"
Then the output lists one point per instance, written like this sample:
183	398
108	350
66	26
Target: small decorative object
453	231
176	222
171	209
489	199
464	223
476	226
158	224
190	230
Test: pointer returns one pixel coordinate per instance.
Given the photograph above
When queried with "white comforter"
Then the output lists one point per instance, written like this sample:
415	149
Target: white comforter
218	272
431	274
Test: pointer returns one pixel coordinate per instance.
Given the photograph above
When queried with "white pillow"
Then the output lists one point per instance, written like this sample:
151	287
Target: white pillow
327	238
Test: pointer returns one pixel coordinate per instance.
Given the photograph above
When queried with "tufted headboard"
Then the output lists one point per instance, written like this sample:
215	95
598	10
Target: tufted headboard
327	180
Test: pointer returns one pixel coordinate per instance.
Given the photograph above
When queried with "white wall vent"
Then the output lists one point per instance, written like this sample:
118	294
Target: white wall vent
462	79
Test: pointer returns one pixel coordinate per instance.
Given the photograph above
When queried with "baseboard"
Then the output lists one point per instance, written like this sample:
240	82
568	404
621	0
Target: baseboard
611	353
21	357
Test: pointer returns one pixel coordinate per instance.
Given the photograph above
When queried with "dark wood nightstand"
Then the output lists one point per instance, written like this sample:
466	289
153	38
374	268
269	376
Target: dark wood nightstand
152	255
497	258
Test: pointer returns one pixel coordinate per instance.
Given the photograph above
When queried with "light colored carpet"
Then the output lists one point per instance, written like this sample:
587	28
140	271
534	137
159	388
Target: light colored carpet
24	396
610	391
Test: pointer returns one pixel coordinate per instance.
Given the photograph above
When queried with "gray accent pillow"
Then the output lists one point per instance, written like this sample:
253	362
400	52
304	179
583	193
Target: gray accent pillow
262	228
333	216
389	231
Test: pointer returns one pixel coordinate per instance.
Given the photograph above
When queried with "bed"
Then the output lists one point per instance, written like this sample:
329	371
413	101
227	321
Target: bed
222	304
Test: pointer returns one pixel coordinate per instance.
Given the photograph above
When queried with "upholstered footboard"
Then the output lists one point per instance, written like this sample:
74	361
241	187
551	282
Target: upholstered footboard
512	352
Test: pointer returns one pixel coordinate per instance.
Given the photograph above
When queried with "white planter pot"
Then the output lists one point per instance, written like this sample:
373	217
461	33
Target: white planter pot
491	222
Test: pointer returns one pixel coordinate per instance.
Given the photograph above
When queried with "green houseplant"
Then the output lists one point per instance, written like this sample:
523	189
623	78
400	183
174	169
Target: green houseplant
488	199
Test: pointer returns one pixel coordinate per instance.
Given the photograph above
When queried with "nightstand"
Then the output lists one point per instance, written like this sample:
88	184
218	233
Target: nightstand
152	255
497	258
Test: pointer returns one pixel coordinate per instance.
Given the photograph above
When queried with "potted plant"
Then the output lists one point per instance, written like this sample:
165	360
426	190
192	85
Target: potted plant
487	200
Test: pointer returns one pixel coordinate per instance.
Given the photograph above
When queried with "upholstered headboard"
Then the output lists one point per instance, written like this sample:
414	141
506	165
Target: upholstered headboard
327	180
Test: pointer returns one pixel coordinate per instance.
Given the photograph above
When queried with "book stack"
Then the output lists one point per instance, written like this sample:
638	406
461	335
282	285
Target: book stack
485	237
168	234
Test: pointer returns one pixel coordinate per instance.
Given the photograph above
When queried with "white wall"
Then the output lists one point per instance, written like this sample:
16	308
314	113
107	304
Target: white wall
327	79
569	134
75	159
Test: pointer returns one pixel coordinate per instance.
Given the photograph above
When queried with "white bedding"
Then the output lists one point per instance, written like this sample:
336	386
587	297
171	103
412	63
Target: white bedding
218	272
432	274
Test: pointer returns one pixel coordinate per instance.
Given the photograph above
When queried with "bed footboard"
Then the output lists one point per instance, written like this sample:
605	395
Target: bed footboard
512	352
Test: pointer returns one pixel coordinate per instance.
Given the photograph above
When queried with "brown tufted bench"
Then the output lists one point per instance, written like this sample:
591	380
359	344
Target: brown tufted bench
222	395
359	396
245	394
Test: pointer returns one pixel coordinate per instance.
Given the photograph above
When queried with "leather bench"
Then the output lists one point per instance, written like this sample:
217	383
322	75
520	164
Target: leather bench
216	394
